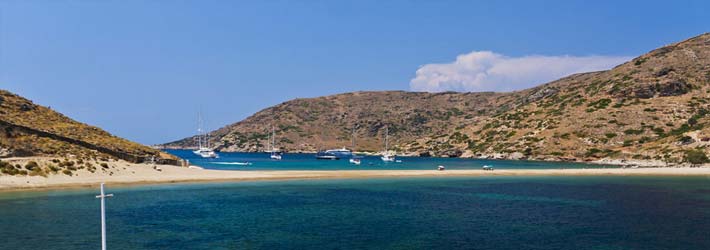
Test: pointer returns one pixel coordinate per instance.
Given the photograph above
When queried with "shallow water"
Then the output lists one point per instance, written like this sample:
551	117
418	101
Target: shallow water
402	213
261	161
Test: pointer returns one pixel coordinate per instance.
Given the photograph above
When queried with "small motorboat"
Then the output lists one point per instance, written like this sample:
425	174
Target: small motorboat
387	157
355	161
487	168
441	168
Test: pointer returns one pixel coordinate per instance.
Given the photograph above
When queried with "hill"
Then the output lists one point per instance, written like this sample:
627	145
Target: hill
653	107
31	130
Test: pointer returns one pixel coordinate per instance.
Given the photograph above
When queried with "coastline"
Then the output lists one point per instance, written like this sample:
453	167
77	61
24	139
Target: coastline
142	174
622	162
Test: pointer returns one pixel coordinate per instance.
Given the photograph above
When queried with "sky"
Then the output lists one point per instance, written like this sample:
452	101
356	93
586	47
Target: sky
143	70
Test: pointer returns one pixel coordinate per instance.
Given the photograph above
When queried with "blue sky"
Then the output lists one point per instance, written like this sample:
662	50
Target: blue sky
143	69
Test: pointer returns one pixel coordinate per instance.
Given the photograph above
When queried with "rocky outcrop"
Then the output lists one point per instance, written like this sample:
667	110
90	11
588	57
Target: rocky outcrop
658	89
540	94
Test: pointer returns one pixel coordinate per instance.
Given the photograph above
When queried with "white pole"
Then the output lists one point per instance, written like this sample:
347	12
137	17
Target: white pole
103	216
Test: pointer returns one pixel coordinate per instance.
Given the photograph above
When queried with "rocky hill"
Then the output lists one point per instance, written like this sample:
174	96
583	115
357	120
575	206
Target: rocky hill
654	107
28	129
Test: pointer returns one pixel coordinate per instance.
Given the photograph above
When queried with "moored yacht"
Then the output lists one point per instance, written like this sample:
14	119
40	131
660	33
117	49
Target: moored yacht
324	155
354	159
276	155
387	156
340	152
206	153
203	142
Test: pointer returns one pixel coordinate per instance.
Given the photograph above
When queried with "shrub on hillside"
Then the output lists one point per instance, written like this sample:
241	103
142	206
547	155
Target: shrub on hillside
633	131
31	165
696	156
53	168
7	168
67	172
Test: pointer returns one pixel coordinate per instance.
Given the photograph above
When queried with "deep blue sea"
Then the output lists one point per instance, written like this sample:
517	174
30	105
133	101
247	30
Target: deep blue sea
262	161
513	212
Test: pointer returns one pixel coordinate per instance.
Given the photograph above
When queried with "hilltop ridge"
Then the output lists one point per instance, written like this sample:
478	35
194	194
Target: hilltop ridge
653	107
31	130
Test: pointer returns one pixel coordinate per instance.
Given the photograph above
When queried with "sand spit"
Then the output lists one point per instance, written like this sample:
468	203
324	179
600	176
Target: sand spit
128	173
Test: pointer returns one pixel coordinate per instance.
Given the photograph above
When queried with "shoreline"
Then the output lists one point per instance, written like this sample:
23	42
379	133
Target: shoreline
506	157
143	174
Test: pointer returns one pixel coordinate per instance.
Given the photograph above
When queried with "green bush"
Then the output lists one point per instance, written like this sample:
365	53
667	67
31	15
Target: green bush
692	121
696	156
592	152
633	131
31	165
4	164
600	104
38	171
53	168
7	168
639	61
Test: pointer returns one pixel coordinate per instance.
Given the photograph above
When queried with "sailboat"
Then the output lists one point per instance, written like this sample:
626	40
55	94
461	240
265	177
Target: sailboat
387	156
274	154
354	159
203	142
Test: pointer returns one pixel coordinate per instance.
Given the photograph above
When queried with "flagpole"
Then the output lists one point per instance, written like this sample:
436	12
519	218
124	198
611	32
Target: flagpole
102	196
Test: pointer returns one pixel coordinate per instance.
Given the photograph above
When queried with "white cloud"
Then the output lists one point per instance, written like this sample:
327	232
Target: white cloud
489	71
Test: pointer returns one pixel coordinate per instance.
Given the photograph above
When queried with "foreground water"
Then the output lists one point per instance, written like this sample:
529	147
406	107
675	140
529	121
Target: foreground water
261	161
414	213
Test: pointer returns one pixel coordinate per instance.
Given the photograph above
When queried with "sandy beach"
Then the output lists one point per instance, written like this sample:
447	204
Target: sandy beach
126	174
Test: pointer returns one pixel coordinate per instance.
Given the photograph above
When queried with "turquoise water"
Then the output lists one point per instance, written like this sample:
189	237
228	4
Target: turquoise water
261	161
406	213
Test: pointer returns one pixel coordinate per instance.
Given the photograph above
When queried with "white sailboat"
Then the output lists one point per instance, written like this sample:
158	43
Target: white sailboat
387	156
274	154
203	142
354	159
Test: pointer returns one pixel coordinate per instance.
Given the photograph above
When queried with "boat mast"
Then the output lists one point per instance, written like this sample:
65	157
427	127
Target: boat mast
199	130
273	139
352	138
387	134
